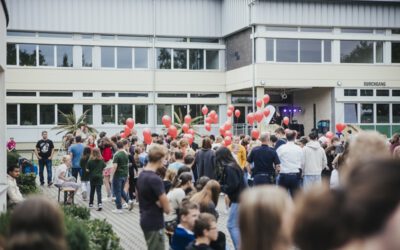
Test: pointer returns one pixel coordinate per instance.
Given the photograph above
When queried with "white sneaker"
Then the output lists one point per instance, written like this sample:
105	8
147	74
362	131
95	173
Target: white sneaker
125	206
130	205
117	211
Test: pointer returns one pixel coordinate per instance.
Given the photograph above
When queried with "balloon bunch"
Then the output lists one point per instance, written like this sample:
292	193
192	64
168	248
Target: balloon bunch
260	114
129	124
211	118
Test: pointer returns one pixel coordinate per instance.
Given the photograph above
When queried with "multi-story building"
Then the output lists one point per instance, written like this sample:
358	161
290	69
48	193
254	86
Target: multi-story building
318	60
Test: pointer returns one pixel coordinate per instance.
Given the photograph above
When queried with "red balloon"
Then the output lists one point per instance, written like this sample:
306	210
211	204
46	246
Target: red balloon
227	140
340	127
215	120
266	99
147	136
122	135
250	118
185	127
259	116
237	113
229	113
231	107
130	123
189	137
227	125
166	120
222	130
188	119
212	113
208	126
255	134
266	112
286	120
228	133
204	110
209	120
329	135
127	130
259	103
191	131
173	131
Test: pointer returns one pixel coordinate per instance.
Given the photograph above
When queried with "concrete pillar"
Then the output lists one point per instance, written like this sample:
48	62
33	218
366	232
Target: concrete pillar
3	117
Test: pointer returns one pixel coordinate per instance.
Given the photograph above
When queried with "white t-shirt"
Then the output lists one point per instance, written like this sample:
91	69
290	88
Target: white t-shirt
60	169
291	157
175	197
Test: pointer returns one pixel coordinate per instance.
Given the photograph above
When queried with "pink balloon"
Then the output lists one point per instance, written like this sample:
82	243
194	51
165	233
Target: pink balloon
227	125
191	131
185	127
208	126
147	136
228	140
130	123
329	135
228	133
222	130
255	134
166	120
215	120
286	120
189	137
204	110
231	107
173	131
266	112
229	113
188	119
237	113
266	99
259	103
122	135
259	116
250	118
127	130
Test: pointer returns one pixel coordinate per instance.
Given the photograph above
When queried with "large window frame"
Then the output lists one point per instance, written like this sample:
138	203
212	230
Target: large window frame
172	59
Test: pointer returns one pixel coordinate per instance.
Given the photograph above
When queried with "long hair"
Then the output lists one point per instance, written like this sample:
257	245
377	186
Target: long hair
224	157
86	153
262	214
210	193
96	154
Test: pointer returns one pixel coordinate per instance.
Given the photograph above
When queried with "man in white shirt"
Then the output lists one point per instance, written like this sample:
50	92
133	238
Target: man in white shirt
13	194
291	157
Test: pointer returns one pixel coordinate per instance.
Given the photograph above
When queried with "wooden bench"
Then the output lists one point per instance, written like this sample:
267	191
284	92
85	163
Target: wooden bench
66	190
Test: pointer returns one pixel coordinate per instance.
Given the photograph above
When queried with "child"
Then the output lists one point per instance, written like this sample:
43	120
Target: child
95	166
85	173
205	230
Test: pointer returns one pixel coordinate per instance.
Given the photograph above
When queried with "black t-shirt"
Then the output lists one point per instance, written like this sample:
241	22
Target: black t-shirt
193	246
264	159
45	147
150	187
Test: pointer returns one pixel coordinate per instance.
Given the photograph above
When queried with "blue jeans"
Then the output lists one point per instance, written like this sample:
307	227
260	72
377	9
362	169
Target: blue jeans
232	224
48	164
118	184
310	180
290	181
262	179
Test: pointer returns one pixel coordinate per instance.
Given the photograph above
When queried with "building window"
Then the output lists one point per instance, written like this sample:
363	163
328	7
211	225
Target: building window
367	113
310	51
181	111
124	58
204	95
27	55
125	111
162	110
46	114
350	92
163	58
87	94
396	92
212	59
89	114
141	114
9	93
351	30
270	50
12	114
366	92
87	56
55	35
11	54
46	55
361	52
324	30
23	33
56	94
64	56
382	92
141	58
66	109
327	51
395	52
108	114
286	50
107	94
107	57
171	95
195	111
396	113
382	113
180	59
196	59
28	114
379	52
133	95
350	113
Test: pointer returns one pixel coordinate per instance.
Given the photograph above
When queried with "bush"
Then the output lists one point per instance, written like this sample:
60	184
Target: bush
12	158
75	211
4	223
27	183
102	236
76	234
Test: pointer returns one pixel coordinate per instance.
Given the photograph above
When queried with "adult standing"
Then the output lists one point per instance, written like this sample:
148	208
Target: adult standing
280	135
44	151
266	162
152	199
205	161
75	151
314	161
232	184
291	157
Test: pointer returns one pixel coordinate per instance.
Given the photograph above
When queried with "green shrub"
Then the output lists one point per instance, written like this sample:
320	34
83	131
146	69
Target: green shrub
76	212
27	183
4	223
102	236
76	234
12	158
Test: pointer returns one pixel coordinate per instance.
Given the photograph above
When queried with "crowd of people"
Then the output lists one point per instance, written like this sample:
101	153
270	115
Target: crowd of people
280	191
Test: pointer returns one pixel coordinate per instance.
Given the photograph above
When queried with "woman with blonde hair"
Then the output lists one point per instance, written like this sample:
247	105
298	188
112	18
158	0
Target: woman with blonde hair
207	198
264	219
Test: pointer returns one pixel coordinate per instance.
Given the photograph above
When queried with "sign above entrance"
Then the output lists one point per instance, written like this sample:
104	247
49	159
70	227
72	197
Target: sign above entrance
375	84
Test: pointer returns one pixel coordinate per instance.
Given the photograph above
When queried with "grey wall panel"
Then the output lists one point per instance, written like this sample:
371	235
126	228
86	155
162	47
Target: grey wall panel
321	13
173	17
235	15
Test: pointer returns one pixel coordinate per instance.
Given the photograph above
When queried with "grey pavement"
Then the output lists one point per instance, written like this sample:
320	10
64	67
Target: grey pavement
126	225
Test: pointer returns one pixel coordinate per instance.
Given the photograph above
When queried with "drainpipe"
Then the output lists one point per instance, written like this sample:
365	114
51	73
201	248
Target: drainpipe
154	67
253	78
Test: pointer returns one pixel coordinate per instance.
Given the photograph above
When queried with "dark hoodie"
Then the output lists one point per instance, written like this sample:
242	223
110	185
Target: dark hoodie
204	163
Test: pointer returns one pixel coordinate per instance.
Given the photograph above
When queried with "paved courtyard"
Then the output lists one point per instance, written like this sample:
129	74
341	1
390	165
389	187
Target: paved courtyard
126	225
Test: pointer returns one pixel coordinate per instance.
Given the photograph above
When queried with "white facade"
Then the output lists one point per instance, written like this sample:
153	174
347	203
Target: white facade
148	58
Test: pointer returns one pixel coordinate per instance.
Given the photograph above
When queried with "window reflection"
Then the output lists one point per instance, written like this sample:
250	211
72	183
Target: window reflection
64	56
163	58
356	52
46	55
196	59
27	55
367	113
286	50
